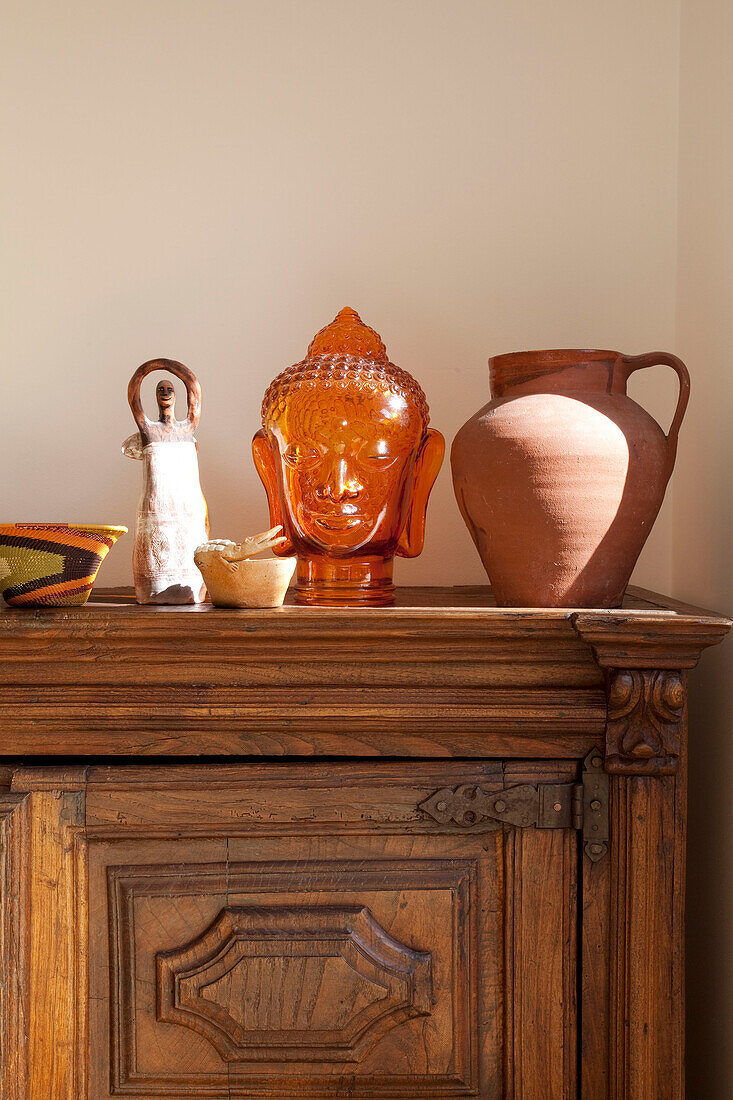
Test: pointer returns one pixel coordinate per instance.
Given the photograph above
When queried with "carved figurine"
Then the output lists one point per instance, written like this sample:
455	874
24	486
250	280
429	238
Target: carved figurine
171	515
348	462
236	578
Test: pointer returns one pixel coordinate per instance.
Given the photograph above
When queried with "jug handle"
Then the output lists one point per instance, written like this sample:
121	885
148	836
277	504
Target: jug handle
630	363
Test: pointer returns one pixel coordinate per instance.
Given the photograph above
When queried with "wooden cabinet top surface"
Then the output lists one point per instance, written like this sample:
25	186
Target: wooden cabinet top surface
442	672
436	601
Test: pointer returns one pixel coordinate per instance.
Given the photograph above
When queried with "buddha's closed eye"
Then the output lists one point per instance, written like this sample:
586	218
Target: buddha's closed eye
371	454
300	454
375	455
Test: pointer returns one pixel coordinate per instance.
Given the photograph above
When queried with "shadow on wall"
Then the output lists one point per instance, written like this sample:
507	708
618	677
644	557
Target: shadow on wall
710	877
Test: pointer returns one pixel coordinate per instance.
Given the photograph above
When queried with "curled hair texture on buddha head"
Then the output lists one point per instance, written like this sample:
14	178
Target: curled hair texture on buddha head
344	371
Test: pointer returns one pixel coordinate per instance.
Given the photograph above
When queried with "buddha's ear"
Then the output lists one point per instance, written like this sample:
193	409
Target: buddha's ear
265	465
427	465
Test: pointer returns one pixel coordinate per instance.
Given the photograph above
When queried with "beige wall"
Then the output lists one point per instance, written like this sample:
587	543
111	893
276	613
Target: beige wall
210	180
703	522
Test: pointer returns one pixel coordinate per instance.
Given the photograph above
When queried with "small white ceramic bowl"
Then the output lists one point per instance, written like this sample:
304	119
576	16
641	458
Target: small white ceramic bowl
247	582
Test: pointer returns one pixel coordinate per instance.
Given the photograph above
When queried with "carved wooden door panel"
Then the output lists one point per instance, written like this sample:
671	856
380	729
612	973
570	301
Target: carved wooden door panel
312	930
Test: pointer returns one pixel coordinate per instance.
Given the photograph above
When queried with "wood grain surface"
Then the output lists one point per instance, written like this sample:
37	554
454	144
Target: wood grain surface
434	675
275	922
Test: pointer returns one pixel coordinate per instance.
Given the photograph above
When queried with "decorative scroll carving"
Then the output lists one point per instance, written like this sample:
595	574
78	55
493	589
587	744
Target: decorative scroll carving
645	710
316	983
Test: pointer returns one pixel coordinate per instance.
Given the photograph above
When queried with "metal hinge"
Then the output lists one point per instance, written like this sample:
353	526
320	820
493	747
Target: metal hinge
582	806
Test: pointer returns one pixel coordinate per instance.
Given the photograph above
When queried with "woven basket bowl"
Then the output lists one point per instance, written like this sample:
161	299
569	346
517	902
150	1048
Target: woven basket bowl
52	564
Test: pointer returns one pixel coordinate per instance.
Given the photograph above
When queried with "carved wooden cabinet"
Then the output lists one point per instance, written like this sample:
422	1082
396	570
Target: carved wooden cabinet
435	850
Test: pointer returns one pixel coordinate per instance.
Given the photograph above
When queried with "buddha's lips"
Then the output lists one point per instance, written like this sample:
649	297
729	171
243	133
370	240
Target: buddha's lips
336	521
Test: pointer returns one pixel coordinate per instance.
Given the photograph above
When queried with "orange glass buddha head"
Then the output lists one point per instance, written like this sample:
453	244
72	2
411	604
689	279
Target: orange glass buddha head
348	462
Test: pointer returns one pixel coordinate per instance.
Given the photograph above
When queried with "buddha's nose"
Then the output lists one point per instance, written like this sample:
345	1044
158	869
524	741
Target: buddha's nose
339	485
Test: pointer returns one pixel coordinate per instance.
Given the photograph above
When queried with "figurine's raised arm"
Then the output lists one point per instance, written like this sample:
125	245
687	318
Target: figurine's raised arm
172	429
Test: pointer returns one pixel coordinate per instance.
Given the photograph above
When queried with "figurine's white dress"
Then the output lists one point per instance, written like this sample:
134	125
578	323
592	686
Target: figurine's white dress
171	523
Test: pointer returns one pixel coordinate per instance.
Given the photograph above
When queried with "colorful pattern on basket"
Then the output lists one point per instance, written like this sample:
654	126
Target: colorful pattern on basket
52	564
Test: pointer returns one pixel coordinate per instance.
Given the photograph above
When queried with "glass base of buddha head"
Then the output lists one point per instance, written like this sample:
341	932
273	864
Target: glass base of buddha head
348	462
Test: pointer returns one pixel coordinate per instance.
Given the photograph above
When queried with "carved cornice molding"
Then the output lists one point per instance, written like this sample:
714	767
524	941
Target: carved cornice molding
663	639
645	665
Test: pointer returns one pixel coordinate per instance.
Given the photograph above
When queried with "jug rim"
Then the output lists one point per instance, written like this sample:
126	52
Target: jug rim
552	357
517	367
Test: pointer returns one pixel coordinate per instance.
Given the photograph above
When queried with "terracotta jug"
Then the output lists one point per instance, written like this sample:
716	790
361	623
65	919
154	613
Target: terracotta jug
561	476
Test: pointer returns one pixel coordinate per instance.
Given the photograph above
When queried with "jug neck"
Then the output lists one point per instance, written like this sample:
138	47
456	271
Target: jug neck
557	371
